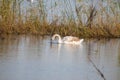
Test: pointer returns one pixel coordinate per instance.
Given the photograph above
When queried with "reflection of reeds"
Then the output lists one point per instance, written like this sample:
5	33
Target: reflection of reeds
102	22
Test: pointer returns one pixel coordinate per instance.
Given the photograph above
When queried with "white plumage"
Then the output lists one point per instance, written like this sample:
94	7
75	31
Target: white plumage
67	39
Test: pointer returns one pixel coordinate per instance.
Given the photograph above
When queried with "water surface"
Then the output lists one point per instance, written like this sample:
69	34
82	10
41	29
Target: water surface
34	58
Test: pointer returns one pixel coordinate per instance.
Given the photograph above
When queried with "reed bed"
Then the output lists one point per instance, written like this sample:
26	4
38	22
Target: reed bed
89	22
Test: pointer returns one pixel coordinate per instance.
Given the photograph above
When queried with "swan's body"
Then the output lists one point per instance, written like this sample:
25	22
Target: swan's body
31	1
67	39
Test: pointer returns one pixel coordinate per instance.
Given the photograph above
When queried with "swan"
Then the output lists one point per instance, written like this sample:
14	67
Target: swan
31	1
67	39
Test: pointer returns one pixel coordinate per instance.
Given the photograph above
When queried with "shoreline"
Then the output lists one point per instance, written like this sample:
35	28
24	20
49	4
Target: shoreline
81	32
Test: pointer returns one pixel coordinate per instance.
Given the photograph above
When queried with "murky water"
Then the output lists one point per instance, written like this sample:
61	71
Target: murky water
34	58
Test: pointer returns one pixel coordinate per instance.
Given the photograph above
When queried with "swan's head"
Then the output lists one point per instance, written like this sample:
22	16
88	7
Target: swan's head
55	36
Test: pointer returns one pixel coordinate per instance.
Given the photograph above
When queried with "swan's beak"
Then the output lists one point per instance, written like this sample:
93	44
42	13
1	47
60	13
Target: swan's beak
52	38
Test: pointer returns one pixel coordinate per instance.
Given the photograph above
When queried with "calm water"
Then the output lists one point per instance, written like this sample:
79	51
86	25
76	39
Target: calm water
34	58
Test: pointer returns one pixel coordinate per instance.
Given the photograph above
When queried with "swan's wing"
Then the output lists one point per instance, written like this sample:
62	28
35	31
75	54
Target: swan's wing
66	38
75	39
70	38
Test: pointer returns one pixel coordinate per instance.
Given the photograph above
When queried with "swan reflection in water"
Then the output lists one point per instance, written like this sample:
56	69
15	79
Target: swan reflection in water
64	49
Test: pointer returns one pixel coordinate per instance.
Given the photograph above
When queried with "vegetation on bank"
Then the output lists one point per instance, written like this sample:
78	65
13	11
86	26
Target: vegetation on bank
100	23
84	32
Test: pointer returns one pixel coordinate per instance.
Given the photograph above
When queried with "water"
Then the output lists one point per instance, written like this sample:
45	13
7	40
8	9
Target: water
34	58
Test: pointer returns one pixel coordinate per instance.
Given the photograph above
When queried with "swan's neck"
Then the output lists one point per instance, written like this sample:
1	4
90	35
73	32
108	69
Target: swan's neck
59	38
81	40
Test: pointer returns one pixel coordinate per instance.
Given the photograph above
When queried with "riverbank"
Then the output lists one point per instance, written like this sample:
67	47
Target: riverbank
63	30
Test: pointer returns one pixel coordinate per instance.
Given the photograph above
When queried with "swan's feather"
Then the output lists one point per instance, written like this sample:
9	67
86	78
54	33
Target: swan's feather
68	39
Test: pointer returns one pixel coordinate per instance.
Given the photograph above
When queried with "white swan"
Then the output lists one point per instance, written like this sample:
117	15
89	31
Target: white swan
67	39
31	1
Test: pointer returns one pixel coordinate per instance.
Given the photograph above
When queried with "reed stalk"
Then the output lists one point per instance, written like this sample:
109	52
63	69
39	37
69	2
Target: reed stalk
77	18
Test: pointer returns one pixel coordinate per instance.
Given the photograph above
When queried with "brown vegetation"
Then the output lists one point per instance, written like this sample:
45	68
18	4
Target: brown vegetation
12	21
